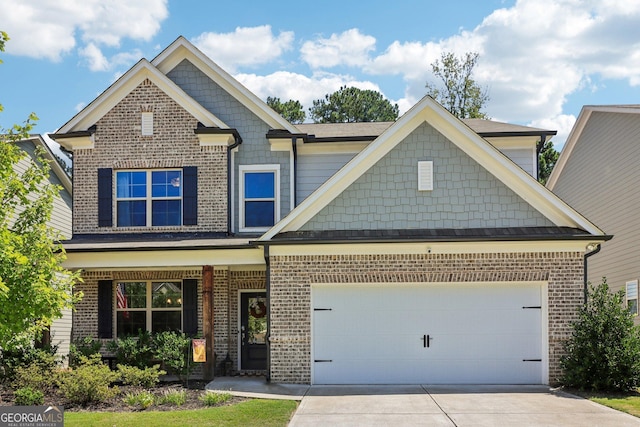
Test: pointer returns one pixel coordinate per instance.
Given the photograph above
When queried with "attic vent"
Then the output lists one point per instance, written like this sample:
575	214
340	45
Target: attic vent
147	124
425	176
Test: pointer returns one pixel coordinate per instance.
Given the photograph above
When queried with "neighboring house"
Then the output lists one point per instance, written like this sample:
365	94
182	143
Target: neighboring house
60	331
405	252
597	173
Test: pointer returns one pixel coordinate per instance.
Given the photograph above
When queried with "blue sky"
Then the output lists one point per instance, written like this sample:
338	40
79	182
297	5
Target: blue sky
540	60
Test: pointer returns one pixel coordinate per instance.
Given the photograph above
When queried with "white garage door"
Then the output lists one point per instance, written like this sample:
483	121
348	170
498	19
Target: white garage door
406	334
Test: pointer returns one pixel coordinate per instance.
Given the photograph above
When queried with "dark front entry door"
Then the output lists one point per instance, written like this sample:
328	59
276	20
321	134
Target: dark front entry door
253	330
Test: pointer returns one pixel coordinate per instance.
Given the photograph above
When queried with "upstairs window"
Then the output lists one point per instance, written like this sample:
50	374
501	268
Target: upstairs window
149	198
259	197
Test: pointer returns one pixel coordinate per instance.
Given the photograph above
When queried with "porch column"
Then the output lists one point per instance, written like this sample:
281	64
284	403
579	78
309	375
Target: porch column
207	319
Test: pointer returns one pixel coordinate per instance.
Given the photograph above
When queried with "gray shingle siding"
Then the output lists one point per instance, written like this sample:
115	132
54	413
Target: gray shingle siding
255	148
465	195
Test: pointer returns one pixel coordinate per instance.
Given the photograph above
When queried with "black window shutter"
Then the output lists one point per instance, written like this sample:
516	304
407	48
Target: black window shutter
105	309
190	195
105	195
190	306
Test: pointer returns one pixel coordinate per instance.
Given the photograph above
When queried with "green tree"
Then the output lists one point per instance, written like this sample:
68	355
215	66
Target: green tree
546	161
34	287
291	110
603	352
350	104
459	93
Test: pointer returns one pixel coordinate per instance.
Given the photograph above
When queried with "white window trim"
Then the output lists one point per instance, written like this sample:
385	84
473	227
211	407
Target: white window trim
149	198
258	168
149	300
631	284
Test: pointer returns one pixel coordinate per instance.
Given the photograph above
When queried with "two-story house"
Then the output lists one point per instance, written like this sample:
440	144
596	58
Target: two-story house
418	251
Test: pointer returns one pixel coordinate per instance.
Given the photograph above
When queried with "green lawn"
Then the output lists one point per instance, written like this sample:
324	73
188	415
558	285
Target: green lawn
256	412
625	403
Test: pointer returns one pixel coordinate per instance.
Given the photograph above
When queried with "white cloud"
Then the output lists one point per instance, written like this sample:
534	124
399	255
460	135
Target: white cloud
94	57
246	46
52	28
533	56
286	85
348	48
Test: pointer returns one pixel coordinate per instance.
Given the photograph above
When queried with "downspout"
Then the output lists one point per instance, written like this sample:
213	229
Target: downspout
268	289
238	141
586	283
294	184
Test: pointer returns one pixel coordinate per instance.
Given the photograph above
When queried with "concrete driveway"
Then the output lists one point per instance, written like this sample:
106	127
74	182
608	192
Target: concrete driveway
458	406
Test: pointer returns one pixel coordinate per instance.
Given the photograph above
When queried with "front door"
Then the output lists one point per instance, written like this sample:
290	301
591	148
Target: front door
253	331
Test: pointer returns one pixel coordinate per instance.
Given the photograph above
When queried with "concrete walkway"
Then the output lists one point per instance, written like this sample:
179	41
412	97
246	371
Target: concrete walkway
415	405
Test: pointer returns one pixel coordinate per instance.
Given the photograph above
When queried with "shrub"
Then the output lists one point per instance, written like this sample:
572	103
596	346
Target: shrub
89	382
27	396
36	377
147	377
86	346
173	397
210	398
21	353
173	349
133	351
142	399
603	352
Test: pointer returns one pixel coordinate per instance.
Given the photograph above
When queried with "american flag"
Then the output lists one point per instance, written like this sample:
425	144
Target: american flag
122	298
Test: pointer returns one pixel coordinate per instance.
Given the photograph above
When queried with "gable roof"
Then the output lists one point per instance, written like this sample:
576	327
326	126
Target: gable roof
576	132
123	86
428	110
182	49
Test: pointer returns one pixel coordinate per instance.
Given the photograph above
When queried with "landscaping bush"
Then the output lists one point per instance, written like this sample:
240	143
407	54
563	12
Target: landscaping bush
36	377
22	353
89	382
603	352
133	351
27	396
210	398
173	397
147	377
142	399
173	349
86	346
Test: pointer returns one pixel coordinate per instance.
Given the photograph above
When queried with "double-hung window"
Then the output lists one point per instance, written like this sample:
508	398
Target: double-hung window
259	197
149	198
153	306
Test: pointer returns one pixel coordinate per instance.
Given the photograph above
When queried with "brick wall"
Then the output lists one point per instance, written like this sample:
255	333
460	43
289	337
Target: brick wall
292	276
119	144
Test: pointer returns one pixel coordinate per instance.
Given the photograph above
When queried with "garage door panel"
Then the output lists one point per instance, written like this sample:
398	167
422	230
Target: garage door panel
374	334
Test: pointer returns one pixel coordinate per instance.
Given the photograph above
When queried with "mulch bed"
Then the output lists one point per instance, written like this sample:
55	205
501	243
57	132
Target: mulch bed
117	404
